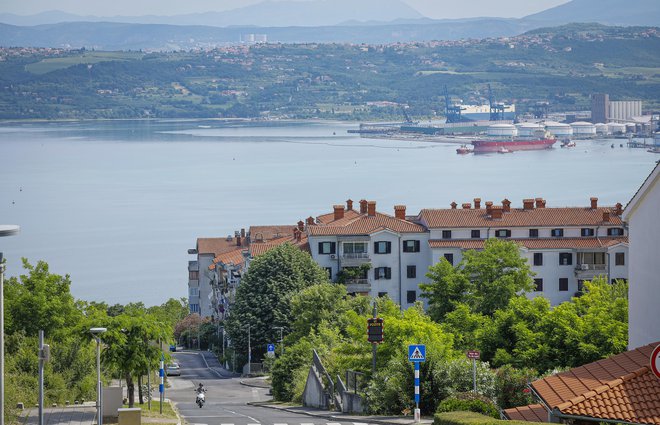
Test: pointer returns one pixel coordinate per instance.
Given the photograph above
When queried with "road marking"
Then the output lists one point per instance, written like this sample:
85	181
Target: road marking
280	424
333	423
254	424
359	423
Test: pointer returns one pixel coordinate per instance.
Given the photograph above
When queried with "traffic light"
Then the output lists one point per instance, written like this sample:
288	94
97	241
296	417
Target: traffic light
375	330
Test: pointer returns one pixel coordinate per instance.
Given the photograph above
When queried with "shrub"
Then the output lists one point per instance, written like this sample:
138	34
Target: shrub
511	386
470	418
469	402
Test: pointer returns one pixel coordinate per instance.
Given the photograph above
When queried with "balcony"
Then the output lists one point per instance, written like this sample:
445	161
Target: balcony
354	259
588	271
358	285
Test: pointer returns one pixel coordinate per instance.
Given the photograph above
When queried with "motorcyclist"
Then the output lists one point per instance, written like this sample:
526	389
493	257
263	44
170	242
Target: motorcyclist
201	389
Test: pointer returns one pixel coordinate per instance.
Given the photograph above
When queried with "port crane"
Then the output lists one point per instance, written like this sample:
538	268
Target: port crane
452	112
496	109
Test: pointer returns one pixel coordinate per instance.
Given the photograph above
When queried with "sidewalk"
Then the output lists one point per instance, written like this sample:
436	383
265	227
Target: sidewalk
343	417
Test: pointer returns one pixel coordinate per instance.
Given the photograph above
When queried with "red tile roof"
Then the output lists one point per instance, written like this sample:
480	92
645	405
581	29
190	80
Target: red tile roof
562	387
271	232
540	243
363	224
217	246
258	248
537	217
531	413
235	257
329	218
634	397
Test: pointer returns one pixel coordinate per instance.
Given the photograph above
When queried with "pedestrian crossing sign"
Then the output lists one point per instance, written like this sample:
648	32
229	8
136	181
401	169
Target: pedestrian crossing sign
417	353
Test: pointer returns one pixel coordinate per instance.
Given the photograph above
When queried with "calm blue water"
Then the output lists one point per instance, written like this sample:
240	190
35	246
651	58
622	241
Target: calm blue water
117	204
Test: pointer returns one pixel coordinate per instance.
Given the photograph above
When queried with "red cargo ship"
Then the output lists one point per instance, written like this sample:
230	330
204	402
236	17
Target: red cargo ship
518	144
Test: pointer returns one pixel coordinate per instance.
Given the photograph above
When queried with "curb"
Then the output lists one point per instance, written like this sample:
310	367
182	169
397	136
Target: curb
247	384
341	418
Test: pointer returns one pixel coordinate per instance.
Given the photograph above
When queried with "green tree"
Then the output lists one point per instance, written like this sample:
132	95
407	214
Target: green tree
263	299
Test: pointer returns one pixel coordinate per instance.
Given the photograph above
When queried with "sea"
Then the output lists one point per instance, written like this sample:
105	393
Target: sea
117	204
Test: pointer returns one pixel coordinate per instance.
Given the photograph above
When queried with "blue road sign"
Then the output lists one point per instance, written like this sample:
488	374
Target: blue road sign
417	353
271	348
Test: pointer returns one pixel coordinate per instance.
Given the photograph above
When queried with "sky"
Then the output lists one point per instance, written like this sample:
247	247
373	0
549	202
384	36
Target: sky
437	9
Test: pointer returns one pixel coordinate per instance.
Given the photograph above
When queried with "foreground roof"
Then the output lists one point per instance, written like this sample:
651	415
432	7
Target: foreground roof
355	223
531	413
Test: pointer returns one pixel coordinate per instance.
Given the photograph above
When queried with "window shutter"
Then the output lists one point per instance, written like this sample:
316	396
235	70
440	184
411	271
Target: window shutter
321	248
333	247
376	251
388	272
508	233
416	246
377	273
388	247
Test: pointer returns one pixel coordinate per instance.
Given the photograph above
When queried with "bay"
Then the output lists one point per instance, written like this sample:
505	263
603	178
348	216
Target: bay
117	204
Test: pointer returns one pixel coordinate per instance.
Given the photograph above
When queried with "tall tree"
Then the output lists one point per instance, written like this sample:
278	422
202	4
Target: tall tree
263	299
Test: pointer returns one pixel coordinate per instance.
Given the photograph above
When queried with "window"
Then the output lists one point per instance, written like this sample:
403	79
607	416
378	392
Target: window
382	294
382	247
592	258
533	233
563	284
620	259
446	234
476	234
194	308
450	258
538	258
327	247
352	248
193	275
557	233
193	292
329	271
411	272
411	296
538	283
411	246
382	273
587	232
565	259
356	273
503	233
615	231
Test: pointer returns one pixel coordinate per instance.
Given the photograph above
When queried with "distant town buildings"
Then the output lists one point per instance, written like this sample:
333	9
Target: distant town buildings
642	216
377	254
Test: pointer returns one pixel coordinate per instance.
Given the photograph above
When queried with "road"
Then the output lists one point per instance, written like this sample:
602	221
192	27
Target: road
226	398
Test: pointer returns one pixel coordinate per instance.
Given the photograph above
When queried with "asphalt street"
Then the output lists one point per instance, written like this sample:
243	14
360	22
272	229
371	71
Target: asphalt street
226	398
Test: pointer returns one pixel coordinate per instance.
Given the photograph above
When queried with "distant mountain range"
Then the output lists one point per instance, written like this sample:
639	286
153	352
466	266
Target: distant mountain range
341	21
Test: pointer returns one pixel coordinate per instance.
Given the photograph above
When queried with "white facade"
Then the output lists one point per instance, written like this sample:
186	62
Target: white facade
643	217
624	110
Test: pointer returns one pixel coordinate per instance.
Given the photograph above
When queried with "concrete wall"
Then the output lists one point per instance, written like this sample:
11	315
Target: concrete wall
314	394
112	401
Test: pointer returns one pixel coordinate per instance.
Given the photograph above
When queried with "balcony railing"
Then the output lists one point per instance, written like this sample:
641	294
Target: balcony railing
587	267
357	281
355	256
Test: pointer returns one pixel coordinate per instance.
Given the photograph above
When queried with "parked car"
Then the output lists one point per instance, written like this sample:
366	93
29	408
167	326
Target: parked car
173	369
172	347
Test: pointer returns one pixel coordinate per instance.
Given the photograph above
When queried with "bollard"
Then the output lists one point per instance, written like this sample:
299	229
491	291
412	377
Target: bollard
418	416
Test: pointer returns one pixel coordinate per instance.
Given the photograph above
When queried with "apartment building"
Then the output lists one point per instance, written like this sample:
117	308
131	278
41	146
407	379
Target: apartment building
564	246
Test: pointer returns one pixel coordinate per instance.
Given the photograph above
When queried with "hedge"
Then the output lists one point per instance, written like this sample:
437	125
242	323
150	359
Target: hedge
471	418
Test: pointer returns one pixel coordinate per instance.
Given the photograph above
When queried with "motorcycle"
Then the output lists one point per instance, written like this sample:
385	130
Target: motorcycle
200	399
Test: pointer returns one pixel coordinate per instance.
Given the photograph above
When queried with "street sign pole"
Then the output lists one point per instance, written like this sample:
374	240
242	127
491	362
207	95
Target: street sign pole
474	374
417	355
416	387
374	345
161	386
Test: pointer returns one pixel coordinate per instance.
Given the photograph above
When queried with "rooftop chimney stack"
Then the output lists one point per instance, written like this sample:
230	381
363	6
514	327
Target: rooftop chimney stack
363	206
242	233
528	204
400	212
310	221
339	212
349	204
466	206
301	225
477	203
606	216
371	208
506	205
489	207
540	203
453	205
594	203
496	212
238	239
619	209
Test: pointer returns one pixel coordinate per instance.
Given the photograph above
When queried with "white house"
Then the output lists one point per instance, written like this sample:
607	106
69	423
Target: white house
642	214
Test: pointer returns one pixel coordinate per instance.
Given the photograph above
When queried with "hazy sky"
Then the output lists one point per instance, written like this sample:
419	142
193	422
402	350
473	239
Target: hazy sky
432	8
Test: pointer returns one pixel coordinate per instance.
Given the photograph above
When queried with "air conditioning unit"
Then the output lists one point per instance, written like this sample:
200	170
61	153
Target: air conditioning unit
584	267
333	256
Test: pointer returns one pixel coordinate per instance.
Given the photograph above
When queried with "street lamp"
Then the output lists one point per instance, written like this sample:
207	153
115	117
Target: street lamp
5	230
249	350
99	401
281	341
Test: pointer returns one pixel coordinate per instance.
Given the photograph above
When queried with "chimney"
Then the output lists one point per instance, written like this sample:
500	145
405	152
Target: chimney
371	208
363	206
243	233
594	203
619	209
496	212
453	205
339	212
295	233
301	225
606	216
540	203
477	203
400	212
238	240
466	206
349	204
528	204
489	207
506	205
310	221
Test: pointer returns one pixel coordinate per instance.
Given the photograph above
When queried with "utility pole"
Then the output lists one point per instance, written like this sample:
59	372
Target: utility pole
41	377
373	345
249	350
281	341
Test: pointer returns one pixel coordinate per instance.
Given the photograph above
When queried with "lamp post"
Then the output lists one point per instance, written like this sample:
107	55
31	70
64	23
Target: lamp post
5	230
281	341
249	350
99	401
